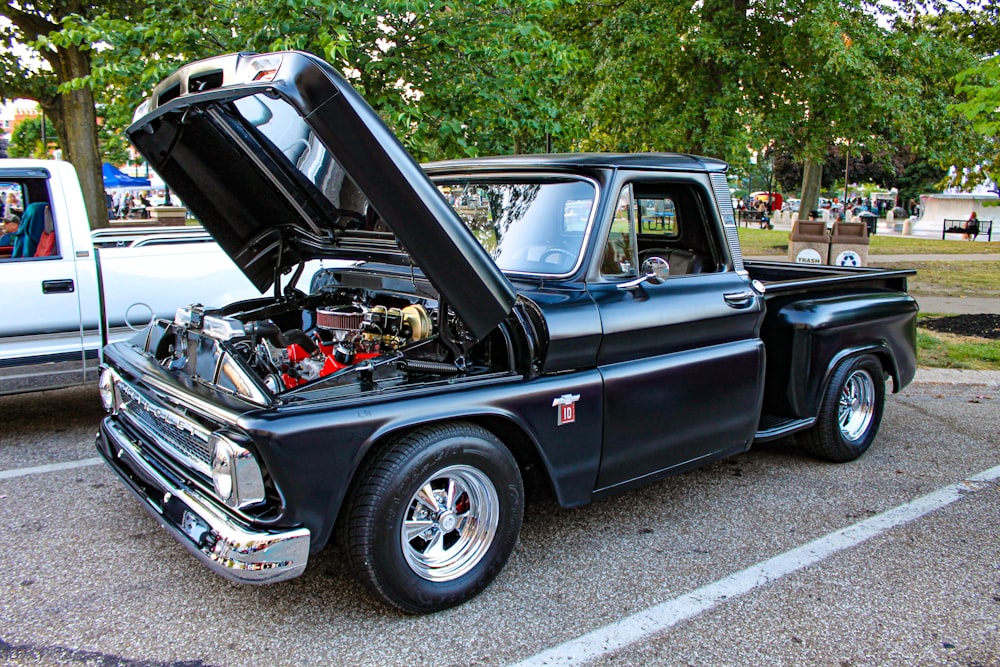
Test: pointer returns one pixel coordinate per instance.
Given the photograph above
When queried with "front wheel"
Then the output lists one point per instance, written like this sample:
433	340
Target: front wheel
850	412
434	517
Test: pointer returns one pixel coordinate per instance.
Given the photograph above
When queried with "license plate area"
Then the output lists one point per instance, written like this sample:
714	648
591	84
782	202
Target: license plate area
193	526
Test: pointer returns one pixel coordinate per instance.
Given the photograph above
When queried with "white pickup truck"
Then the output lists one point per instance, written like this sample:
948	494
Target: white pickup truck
55	289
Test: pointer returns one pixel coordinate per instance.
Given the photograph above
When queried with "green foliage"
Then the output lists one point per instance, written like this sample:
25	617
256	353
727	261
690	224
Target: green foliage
730	77
980	88
719	77
941	350
26	140
453	80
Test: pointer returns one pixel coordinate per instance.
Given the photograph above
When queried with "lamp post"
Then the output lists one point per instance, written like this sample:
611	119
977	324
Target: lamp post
847	163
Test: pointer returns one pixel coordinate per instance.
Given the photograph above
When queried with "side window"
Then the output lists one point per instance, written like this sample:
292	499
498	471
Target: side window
675	225
27	227
619	260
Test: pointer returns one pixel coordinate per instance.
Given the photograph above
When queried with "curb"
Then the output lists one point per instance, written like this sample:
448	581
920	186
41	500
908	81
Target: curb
957	376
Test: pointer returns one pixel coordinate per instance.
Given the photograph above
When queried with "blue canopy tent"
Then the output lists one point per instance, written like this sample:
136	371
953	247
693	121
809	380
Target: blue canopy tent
115	178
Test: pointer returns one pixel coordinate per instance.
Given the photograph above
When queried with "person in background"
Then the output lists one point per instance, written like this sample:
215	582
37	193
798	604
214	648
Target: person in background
13	204
971	227
10	224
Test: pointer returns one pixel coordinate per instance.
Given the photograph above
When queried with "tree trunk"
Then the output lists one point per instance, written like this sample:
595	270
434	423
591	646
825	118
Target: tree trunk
75	118
812	175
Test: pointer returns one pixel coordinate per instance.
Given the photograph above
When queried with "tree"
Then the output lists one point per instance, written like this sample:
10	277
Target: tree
728	78
26	140
452	79
980	87
55	58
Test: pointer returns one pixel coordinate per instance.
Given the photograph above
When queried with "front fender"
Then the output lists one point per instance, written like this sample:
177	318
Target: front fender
313	452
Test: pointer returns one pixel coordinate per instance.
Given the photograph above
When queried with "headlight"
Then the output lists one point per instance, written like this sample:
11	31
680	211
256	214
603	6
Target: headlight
236	474
106	388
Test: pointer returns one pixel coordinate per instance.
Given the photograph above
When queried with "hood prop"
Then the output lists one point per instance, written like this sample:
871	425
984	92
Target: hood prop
458	349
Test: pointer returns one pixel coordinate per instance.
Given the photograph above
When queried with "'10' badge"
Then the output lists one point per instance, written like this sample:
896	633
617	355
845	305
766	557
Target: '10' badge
566	408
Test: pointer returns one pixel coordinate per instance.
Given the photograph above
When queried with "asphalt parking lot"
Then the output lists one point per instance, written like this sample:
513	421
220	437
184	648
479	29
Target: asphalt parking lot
755	560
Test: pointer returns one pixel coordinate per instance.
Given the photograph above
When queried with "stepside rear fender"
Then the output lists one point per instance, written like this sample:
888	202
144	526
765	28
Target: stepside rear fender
806	338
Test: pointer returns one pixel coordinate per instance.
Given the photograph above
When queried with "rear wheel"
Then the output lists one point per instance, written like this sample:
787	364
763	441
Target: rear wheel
850	413
434	518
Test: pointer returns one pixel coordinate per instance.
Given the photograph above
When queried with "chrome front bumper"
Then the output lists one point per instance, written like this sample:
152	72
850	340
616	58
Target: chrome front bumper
227	546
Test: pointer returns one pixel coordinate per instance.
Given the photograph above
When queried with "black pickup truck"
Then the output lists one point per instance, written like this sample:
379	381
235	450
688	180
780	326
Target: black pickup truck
581	322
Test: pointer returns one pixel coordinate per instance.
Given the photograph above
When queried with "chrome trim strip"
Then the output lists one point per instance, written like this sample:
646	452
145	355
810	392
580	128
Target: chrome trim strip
190	401
229	548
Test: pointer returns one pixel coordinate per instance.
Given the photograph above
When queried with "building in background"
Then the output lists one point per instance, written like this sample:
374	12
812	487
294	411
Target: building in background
13	112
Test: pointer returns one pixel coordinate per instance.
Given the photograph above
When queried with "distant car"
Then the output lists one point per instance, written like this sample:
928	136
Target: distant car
792	205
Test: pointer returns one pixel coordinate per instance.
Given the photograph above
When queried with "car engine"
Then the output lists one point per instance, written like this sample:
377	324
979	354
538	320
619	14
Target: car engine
287	345
341	337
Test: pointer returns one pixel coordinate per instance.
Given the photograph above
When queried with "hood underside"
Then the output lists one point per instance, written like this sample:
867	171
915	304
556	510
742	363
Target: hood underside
284	162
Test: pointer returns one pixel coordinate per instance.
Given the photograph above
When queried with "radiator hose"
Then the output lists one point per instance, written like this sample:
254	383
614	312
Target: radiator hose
269	331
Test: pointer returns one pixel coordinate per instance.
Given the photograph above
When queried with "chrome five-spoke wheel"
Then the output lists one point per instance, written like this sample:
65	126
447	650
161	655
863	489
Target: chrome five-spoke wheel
857	405
850	410
434	516
450	523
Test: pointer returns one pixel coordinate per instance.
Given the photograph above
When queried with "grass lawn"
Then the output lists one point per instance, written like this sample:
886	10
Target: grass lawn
954	279
934	278
941	350
775	242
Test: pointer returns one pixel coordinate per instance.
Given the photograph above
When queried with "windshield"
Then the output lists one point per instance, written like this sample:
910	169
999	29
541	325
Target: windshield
527	225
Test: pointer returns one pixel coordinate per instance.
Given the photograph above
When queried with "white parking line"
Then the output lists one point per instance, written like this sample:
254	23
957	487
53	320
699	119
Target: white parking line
52	467
649	622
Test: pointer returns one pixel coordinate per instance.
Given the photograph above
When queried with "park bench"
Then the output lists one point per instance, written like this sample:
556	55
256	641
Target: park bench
748	216
958	227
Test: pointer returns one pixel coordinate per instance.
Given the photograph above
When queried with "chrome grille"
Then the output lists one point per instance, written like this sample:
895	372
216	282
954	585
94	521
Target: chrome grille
177	436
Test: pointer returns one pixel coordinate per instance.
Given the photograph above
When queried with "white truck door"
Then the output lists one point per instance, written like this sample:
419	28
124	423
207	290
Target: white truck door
40	337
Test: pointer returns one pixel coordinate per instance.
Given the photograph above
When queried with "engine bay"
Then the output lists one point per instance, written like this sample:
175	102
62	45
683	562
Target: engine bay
344	336
331	339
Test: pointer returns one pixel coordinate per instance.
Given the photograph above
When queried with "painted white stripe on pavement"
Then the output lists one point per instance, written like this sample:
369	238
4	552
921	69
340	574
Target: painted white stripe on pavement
656	619
52	467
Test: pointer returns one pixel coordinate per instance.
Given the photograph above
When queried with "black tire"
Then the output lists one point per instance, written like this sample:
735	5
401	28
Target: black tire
850	413
472	480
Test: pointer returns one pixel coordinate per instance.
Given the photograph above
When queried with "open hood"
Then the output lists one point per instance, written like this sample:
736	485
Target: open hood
284	162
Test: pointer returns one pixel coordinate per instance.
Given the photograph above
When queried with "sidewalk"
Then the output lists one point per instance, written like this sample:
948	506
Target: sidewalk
989	379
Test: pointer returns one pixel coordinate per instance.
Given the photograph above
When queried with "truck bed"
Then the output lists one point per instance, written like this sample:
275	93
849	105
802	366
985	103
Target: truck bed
816	314
783	278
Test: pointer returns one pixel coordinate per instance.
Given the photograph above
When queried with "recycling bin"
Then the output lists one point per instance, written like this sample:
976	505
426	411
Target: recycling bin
809	242
849	244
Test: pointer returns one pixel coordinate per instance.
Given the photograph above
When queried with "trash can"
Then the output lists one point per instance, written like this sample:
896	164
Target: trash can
809	242
871	220
849	244
168	215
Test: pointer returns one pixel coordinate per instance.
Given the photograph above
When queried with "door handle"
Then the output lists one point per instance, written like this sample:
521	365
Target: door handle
739	299
64	286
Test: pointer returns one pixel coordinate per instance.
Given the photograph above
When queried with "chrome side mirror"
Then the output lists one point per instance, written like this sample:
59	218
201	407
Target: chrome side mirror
654	270
656	267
